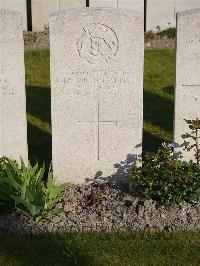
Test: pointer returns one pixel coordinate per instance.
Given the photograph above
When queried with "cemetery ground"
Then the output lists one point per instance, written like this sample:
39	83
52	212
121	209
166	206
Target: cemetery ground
130	248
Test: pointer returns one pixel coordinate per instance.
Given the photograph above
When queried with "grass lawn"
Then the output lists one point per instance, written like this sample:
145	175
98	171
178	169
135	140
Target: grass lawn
158	101
181	248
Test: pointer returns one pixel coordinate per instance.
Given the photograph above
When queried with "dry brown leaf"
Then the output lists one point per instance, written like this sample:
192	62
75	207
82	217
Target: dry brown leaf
68	207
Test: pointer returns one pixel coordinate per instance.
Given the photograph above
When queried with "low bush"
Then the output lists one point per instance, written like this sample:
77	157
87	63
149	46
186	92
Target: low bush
150	35
169	180
166	179
23	188
169	33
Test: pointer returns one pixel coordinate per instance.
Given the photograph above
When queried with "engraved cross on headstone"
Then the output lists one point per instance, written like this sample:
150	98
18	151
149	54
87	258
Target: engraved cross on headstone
98	123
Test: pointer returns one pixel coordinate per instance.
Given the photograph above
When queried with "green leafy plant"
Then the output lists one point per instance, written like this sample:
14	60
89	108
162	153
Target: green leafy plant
169	180
6	202
169	33
166	179
23	187
192	139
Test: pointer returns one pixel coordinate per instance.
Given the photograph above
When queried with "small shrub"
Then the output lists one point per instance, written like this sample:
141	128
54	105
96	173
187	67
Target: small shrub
169	33
149	35
23	188
31	38
166	179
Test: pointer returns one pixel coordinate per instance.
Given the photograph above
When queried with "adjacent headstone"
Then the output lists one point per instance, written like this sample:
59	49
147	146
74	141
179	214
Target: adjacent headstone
16	5
103	3
187	96
137	5
160	15
43	8
97	91
13	125
65	4
183	5
40	13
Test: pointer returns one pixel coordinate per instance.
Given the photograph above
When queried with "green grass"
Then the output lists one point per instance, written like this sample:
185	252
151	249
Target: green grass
158	101
38	105
180	248
159	75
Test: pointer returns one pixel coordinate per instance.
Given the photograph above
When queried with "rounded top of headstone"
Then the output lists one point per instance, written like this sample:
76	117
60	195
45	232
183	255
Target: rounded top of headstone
10	12
188	12
92	10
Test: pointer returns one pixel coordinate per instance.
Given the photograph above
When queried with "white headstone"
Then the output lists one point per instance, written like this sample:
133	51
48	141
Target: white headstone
40	13
187	96
183	5
16	5
13	125
97	91
137	5
160	14
103	3
65	4
41	9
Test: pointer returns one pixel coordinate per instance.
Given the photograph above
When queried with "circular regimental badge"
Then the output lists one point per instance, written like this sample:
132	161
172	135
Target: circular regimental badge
98	44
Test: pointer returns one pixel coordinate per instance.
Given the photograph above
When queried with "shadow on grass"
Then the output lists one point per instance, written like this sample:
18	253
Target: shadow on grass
158	111
39	124
39	102
39	146
151	143
169	90
28	249
116	248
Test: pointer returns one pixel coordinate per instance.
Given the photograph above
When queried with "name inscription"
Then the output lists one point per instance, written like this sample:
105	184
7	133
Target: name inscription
193	35
97	77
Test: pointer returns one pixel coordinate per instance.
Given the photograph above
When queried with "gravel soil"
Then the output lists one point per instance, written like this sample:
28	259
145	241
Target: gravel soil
159	42
102	208
40	40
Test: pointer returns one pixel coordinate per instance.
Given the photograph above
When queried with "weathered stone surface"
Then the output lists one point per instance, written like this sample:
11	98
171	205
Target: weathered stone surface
16	5
97	92
187	96
13	125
